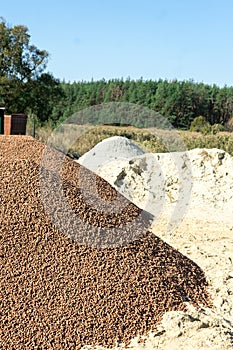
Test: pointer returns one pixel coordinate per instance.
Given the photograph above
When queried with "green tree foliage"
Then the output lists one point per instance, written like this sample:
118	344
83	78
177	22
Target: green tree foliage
180	102
24	87
42	94
18	59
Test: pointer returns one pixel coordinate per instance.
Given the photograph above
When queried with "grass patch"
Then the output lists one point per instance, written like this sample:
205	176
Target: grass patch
82	138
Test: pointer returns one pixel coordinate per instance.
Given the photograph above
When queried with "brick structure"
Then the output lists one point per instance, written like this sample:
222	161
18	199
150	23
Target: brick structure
15	124
7	124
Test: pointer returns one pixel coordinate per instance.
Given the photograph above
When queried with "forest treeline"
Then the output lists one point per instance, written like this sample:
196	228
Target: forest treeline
179	101
26	87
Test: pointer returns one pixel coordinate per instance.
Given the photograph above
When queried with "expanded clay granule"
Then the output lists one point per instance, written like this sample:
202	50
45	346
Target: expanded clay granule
63	290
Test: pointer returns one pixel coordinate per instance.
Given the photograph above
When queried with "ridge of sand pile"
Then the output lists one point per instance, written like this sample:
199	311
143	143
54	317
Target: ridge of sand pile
154	182
58	294
112	148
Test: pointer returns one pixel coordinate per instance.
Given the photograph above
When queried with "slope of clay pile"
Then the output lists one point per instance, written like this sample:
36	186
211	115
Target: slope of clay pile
59	291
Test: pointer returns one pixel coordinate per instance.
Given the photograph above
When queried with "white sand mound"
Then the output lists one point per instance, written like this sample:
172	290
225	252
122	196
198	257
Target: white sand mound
184	182
112	148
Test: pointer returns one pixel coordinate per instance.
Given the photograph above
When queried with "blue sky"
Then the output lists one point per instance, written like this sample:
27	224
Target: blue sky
172	39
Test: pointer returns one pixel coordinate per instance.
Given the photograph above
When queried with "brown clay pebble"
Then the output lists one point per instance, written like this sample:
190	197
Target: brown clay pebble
99	280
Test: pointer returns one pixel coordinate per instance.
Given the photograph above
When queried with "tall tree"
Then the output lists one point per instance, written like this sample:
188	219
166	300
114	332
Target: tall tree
19	60
24	87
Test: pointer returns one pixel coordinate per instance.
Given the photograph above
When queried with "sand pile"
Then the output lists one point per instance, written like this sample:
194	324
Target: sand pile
186	180
64	290
112	148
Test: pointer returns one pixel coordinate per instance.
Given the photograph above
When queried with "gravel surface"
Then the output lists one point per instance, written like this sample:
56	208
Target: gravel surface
103	281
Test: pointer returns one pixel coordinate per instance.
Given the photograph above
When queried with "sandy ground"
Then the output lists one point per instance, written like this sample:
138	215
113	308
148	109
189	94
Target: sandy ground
203	232
210	245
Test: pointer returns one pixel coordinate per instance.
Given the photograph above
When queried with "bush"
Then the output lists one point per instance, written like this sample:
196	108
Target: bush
200	124
217	128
